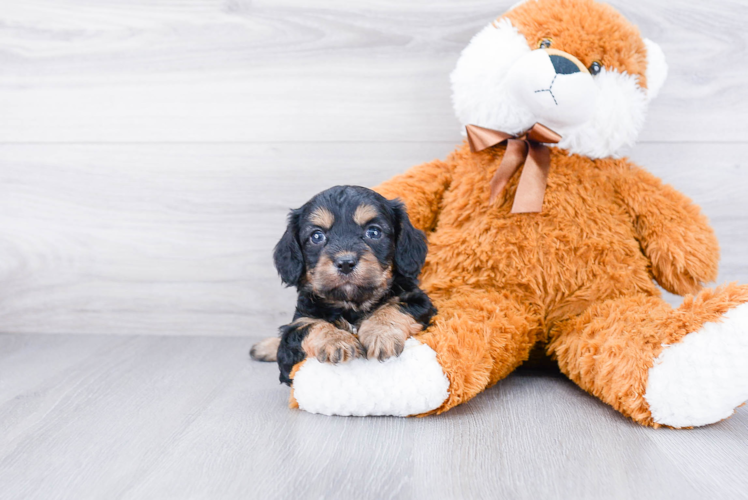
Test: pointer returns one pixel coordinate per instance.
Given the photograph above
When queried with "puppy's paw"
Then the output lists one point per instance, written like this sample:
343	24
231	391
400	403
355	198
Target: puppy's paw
265	350
384	333
383	345
331	345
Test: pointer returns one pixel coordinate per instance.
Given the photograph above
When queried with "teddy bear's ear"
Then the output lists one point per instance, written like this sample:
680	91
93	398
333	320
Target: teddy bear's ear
656	68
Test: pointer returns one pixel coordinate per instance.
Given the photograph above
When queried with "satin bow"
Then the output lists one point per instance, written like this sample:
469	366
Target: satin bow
525	148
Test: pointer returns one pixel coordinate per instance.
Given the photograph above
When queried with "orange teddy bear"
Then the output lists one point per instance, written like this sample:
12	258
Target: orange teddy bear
539	235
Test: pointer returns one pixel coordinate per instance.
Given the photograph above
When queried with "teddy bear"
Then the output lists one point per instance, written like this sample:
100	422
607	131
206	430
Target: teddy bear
542	236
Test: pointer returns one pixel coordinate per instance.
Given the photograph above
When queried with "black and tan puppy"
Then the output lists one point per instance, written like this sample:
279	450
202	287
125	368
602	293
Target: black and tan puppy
354	258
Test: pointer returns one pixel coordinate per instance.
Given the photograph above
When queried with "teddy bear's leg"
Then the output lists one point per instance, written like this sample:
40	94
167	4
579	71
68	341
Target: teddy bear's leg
480	337
658	365
476	339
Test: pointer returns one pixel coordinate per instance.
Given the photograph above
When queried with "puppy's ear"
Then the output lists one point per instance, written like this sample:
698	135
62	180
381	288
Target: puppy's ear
288	257
410	245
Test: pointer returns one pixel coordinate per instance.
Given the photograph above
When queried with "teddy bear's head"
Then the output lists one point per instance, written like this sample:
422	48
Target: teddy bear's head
577	66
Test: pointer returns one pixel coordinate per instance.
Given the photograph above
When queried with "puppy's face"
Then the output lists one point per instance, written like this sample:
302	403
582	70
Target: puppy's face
348	248
347	245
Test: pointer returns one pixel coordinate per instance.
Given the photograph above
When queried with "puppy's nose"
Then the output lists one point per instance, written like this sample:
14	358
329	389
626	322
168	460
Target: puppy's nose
563	66
346	263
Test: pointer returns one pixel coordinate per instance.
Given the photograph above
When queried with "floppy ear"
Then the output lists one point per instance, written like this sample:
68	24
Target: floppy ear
410	244
289	260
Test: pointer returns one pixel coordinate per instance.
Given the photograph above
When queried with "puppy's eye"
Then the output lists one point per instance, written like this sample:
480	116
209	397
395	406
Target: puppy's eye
373	232
595	68
317	238
545	43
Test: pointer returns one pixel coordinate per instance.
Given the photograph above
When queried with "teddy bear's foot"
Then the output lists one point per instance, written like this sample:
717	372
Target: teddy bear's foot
704	377
410	384
480	337
679	367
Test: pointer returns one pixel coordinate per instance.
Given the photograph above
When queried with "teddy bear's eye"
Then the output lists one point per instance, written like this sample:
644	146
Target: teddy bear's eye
595	67
545	43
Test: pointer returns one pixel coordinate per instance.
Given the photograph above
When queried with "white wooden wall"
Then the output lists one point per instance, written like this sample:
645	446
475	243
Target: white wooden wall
149	150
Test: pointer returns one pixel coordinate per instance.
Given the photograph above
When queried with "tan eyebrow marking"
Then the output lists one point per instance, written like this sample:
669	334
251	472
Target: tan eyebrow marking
364	213
322	217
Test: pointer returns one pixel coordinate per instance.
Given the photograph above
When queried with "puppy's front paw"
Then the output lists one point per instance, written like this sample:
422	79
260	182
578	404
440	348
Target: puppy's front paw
331	345
382	345
384	333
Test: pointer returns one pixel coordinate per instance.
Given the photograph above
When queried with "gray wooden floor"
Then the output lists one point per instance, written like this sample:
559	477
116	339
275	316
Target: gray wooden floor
96	416
149	152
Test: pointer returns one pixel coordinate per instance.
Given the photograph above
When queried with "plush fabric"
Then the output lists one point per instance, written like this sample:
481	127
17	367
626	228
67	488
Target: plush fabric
409	384
578	278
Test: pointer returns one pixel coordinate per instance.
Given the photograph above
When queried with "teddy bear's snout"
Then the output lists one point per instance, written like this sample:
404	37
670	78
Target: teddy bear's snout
554	87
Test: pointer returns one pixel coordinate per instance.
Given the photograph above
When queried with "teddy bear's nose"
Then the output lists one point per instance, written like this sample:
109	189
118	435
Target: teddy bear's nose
563	66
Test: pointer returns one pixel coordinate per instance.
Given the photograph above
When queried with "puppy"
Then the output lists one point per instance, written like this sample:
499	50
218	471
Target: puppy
354	258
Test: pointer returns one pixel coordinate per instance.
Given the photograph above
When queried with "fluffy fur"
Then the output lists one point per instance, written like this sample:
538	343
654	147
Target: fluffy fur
578	278
605	230
703	378
410	384
633	70
354	258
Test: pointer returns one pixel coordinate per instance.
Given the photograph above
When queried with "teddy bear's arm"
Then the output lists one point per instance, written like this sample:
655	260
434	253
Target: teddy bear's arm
672	231
421	189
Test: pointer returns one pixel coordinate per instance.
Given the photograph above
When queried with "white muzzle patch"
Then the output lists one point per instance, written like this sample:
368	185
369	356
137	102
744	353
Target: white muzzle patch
558	95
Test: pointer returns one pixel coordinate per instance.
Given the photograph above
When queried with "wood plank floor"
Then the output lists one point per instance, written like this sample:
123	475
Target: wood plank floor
91	416
149	151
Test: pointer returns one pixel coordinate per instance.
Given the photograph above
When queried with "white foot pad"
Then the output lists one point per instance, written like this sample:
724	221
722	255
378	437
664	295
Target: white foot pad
410	384
703	378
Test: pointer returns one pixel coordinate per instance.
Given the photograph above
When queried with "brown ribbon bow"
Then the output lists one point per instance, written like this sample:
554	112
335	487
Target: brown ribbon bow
526	148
